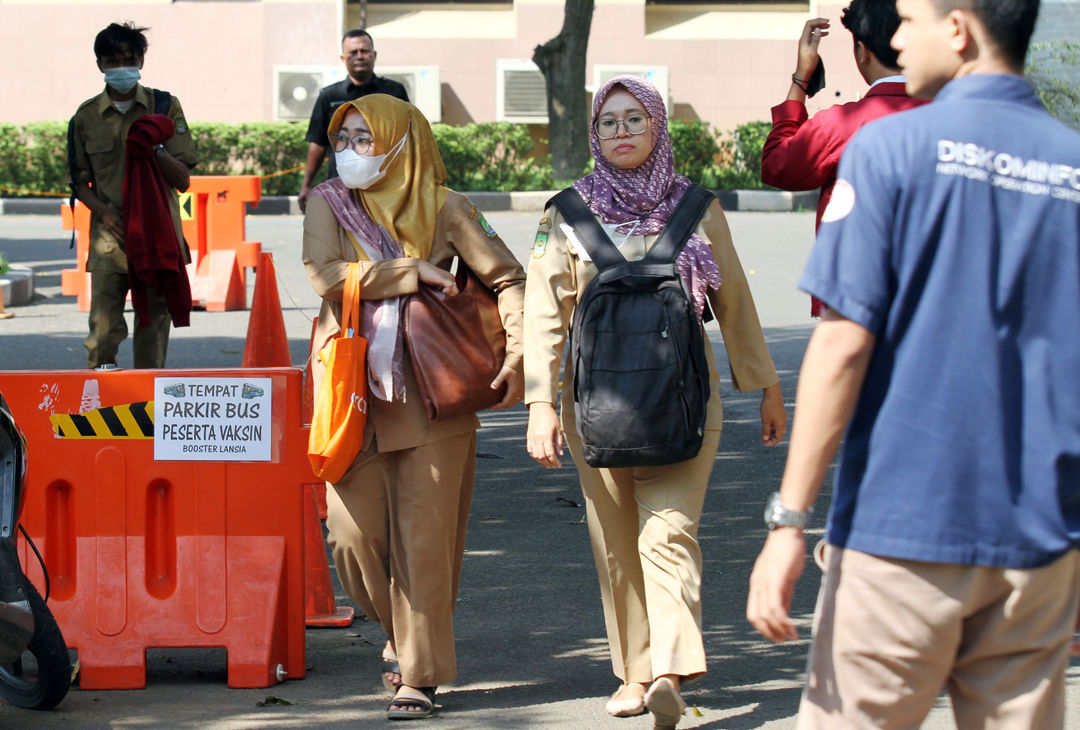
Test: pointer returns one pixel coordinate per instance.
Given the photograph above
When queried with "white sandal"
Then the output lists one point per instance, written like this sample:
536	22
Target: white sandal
665	703
625	708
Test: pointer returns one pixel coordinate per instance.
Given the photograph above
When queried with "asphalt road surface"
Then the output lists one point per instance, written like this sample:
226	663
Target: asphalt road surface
530	637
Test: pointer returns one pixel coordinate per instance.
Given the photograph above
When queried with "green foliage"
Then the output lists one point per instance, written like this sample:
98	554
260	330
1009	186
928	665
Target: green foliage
730	161
490	156
1053	67
255	148
740	154
694	147
33	157
495	156
4	265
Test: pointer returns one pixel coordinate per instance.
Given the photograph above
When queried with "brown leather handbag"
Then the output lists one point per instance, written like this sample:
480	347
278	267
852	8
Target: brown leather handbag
457	345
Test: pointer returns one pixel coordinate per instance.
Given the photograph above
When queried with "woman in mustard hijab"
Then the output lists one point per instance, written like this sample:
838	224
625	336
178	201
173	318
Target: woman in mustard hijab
397	518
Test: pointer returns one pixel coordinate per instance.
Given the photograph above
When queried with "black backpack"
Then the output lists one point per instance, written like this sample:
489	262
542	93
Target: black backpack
641	380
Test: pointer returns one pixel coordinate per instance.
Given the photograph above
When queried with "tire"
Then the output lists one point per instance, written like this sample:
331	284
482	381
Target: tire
40	679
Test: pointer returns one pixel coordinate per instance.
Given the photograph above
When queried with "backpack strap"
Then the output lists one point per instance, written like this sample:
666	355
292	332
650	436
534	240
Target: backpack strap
695	201
162	101
589	233
71	172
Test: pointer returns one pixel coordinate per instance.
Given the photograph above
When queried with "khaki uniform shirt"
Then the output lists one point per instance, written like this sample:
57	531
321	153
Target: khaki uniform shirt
558	275
98	153
459	231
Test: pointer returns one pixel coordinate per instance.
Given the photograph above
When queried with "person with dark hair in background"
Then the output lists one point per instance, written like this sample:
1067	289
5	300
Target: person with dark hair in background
948	260
358	54
98	161
801	153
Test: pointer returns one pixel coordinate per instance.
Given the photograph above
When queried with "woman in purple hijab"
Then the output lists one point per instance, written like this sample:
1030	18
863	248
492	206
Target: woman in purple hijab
643	521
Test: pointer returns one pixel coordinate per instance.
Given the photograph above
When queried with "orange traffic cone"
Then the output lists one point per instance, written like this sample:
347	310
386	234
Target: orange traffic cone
320	608
308	406
267	345
308	403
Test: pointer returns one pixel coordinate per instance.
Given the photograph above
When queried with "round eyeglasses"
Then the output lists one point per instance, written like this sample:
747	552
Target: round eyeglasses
608	127
360	143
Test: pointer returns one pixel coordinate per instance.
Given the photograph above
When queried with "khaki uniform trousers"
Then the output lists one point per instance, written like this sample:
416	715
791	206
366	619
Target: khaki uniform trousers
889	635
397	524
108	328
643	523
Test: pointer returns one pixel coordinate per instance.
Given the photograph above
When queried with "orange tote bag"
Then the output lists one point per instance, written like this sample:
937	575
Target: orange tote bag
341	408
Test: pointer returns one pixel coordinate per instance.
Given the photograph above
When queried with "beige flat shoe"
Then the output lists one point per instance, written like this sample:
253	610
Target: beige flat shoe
631	707
665	704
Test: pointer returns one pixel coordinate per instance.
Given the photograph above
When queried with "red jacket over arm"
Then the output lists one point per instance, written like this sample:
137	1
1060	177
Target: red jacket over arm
803	153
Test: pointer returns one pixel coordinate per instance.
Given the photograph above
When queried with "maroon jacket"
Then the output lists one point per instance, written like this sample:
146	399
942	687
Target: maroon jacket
155	256
803	153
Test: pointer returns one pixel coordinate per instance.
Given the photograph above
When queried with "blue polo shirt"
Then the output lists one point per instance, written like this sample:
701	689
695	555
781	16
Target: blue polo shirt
955	239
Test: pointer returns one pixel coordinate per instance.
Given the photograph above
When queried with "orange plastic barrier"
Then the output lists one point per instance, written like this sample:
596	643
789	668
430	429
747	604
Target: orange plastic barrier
213	219
76	282
157	554
215	233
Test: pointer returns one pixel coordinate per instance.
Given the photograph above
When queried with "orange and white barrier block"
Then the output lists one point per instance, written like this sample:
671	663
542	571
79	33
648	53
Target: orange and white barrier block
169	508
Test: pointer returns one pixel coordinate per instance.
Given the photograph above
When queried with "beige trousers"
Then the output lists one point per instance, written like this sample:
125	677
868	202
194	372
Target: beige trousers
397	525
108	328
889	635
643	522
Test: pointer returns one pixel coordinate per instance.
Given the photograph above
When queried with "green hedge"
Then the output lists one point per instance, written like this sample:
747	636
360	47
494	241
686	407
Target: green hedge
33	157
495	156
729	161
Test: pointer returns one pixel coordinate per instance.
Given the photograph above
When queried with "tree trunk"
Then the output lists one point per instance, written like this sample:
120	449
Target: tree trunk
562	61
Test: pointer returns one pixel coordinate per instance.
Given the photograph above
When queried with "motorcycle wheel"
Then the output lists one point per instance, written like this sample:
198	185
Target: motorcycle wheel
41	677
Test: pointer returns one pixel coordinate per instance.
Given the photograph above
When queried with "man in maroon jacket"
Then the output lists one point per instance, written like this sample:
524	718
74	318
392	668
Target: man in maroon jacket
802	153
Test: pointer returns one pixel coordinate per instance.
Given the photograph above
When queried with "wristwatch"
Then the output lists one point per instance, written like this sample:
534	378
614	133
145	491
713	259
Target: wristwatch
777	515
159	151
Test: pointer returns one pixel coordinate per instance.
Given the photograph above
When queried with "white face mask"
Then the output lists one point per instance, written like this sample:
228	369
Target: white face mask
122	79
360	172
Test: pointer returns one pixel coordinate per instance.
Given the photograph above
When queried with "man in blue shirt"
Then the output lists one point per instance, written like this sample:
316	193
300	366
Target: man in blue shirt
949	259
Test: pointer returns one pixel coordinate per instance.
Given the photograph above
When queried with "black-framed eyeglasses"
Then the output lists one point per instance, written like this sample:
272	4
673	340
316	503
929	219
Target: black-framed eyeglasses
360	143
608	127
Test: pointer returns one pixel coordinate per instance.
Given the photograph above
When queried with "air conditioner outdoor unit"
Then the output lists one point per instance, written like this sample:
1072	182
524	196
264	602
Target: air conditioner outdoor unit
297	87
520	92
423	86
656	75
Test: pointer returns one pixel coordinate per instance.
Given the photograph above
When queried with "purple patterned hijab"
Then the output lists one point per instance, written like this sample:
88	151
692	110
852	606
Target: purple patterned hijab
648	193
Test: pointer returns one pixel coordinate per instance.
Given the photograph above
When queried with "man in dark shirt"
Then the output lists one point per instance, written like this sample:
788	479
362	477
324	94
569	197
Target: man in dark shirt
358	55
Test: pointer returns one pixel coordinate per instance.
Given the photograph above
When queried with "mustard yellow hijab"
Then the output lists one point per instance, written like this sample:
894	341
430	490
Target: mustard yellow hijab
407	200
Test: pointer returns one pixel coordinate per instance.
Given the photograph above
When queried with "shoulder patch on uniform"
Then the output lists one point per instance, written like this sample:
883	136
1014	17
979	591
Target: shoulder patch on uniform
485	226
181	125
539	247
841	203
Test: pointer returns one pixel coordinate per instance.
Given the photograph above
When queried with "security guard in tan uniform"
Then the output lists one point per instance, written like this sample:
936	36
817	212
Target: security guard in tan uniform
96	147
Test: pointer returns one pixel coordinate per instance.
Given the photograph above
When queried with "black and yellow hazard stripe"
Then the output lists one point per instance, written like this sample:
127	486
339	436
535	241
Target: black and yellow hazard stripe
127	421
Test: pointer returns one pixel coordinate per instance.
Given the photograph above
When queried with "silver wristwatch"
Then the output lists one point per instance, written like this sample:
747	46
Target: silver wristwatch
159	150
777	515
